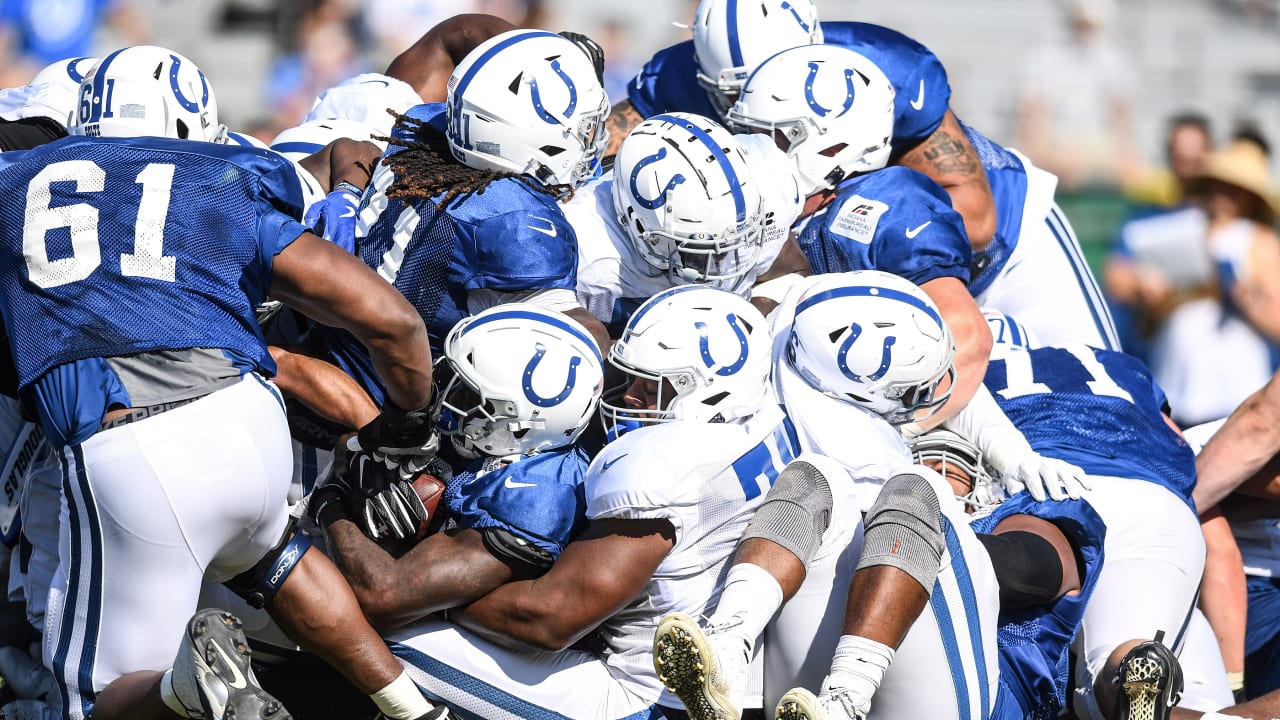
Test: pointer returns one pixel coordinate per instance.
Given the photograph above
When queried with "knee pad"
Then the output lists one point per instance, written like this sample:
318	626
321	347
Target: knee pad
259	584
904	530
796	512
1027	568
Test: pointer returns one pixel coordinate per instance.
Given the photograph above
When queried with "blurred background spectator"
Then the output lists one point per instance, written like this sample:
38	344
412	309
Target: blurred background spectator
1076	99
1188	141
1203	283
35	33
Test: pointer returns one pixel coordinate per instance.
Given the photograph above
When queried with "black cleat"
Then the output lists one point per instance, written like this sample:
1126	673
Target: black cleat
1150	682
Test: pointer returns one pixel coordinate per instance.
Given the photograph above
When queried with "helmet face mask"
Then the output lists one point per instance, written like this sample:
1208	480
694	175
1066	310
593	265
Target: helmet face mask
701	355
686	197
960	462
874	340
528	102
827	107
147	91
520	380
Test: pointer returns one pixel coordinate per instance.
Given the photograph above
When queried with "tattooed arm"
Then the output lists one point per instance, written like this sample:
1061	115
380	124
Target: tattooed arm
622	118
949	159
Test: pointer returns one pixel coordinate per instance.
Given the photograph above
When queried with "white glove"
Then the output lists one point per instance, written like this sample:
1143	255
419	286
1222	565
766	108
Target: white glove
1042	476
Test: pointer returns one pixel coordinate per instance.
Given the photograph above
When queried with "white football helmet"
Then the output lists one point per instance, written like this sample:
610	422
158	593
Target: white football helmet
1007	334
312	136
53	93
709	347
730	38
528	102
827	107
683	191
875	340
523	380
949	450
147	91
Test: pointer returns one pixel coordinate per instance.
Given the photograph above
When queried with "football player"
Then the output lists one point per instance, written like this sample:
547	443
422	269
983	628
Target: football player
866	348
683	203
892	219
522	385
665	504
1026	257
39	111
146	355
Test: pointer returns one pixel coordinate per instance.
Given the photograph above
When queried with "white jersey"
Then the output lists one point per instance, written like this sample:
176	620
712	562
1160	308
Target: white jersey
870	449
610	268
706	479
366	98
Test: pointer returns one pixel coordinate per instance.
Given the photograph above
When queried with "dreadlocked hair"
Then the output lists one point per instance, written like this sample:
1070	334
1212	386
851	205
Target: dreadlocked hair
426	168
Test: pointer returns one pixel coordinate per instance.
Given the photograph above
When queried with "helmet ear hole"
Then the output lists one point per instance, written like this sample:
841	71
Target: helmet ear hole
181	126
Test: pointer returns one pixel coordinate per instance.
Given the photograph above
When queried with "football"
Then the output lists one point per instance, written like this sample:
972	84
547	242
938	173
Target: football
430	490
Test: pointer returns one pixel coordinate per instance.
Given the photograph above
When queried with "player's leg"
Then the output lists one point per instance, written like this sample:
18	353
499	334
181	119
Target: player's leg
801	640
706	665
1159	546
1203	672
923	598
477	678
147	508
316	607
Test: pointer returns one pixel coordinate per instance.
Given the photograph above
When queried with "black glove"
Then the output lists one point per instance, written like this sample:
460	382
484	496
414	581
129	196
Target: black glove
397	432
373	492
592	48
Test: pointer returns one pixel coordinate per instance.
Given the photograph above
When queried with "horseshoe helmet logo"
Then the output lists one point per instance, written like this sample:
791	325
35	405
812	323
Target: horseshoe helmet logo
661	198
813	102
886	356
705	350
527	383
536	96
188	105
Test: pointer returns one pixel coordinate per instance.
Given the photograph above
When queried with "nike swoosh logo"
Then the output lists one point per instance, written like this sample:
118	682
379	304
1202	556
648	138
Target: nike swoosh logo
605	466
237	678
919	101
385	83
513	484
912	232
549	230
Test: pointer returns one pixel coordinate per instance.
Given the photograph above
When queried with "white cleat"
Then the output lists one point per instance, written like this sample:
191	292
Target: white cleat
832	704
690	664
212	669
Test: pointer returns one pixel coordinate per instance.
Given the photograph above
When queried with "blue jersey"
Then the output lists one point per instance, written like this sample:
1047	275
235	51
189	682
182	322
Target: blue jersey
1098	409
538	498
107	254
1033	641
669	81
510	237
896	220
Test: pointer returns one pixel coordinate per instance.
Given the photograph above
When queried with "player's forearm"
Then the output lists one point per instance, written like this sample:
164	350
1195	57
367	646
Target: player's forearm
972	338
1249	438
949	159
367	567
440	572
520	615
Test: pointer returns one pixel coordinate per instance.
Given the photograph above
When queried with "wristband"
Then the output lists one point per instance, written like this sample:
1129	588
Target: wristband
349	187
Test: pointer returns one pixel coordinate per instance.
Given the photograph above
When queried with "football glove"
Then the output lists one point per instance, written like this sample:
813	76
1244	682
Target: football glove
1043	476
398	433
334	217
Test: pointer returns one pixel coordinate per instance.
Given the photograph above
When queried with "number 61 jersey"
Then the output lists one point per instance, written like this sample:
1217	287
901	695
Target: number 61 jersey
1098	409
120	246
